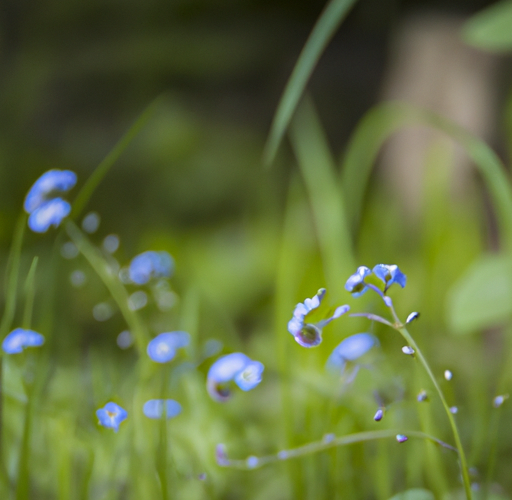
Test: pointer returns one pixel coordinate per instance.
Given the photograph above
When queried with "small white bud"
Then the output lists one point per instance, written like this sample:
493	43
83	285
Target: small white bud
412	317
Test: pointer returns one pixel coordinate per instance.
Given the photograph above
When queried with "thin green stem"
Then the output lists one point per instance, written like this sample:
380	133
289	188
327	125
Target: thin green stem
29	293
13	267
462	457
115	287
331	441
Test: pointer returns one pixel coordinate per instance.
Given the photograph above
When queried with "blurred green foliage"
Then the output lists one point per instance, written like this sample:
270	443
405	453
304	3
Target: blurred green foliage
249	243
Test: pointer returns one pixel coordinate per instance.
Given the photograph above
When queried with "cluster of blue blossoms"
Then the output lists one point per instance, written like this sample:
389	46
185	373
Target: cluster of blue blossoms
43	202
46	208
309	334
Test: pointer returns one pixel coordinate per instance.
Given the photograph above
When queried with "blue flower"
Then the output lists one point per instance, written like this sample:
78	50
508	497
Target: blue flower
355	284
389	274
154	408
351	349
49	214
111	415
163	347
20	338
149	265
310	334
43	204
236	367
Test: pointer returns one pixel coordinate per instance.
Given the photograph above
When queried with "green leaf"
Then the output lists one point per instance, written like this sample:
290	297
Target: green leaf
490	28
483	296
414	494
324	29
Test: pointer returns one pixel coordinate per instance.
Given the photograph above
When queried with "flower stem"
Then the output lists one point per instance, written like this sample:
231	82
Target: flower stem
462	457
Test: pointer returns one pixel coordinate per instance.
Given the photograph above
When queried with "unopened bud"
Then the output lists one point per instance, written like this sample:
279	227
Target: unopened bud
412	317
401	438
499	400
422	396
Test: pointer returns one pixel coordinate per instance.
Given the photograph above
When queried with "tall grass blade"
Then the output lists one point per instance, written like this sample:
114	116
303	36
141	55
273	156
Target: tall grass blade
325	27
29	293
384	120
102	169
111	281
319	171
12	272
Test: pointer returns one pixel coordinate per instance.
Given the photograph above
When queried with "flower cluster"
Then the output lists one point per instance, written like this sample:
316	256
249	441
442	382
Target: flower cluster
310	334
388	274
43	203
236	367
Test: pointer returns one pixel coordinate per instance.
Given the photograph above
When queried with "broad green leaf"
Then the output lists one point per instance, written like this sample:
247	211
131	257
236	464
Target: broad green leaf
414	494
483	296
324	29
490	29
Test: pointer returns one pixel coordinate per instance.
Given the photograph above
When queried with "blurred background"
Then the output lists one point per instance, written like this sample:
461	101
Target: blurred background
76	75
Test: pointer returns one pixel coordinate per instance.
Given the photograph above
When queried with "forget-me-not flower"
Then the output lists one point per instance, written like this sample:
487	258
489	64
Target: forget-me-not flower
310	334
356	284
350	350
111	415
42	203
20	338
150	264
390	274
163	347
154	408
236	367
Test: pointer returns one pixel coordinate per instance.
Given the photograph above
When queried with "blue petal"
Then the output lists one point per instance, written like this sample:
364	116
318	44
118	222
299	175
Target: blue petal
48	214
149	265
50	182
296	324
351	348
226	367
111	415
20	338
163	347
390	274
250	376
355	283
236	366
154	408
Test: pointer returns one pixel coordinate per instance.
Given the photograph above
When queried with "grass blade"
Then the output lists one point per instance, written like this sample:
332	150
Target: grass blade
102	169
29	293
319	171
111	281
384	120
324	29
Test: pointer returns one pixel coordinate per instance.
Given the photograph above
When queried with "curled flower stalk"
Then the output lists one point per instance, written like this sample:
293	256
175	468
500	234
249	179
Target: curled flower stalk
306	332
